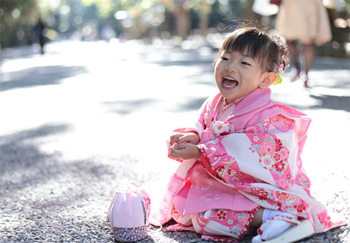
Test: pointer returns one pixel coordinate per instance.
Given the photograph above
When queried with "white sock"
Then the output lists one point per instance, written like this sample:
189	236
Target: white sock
275	227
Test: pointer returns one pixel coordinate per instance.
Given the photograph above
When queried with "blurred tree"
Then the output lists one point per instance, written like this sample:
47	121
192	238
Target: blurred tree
205	12
134	18
105	8
182	18
131	15
16	21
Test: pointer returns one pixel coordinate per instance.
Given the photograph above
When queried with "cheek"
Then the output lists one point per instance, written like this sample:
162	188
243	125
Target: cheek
217	75
218	69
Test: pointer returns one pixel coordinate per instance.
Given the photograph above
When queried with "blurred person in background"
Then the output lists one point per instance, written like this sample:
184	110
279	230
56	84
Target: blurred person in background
39	37
305	23
107	32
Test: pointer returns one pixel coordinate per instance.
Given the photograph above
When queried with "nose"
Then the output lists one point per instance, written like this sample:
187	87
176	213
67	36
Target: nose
231	67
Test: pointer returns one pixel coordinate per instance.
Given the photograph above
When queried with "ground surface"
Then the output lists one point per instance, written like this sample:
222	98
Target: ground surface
87	119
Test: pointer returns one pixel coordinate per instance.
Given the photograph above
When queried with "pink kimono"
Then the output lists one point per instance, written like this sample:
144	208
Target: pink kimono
250	158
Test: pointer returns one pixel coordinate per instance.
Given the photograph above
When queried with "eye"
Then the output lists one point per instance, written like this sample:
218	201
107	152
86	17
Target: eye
246	63
224	58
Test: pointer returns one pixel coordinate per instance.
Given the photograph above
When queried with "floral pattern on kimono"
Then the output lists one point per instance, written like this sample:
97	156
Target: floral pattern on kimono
274	177
272	155
256	151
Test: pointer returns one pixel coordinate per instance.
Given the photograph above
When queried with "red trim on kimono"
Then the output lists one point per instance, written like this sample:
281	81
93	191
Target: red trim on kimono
205	162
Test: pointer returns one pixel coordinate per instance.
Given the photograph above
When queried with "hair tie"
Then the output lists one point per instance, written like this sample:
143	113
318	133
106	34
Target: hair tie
281	67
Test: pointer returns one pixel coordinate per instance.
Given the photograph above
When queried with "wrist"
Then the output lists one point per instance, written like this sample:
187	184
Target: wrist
199	152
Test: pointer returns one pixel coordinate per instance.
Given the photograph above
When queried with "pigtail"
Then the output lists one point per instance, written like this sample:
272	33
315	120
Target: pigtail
283	62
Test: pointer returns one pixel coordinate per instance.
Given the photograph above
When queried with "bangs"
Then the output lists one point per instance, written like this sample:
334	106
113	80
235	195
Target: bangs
268	50
248	42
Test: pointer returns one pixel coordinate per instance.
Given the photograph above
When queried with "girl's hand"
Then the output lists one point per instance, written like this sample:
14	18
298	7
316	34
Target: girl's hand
179	138
185	151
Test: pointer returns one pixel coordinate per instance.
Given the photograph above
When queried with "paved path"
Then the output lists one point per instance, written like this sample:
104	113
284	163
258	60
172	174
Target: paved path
87	119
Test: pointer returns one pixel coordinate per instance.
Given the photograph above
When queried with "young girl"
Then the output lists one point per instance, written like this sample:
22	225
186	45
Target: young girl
241	163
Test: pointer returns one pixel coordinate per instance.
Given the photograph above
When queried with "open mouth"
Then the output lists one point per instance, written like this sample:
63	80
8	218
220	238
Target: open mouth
229	82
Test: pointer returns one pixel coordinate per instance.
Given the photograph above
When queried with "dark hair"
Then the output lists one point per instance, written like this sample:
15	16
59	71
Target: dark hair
269	50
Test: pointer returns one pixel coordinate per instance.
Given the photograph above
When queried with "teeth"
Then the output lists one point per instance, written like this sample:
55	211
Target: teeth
229	82
229	78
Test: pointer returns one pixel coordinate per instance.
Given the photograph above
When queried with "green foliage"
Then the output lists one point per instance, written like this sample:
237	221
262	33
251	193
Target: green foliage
66	16
16	18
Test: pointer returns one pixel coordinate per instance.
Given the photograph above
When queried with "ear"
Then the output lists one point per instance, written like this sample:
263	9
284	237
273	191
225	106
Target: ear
270	78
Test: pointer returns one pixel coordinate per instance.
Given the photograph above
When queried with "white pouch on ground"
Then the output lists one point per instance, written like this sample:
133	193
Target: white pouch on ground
128	215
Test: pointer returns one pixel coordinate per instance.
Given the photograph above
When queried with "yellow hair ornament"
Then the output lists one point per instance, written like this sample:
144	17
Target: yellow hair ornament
278	80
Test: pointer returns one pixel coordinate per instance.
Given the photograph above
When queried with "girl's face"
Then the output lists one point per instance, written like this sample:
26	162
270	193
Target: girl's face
238	74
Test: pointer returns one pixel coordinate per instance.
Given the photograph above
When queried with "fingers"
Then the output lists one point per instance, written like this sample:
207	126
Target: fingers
189	138
182	139
174	138
173	152
180	146
176	150
178	138
185	151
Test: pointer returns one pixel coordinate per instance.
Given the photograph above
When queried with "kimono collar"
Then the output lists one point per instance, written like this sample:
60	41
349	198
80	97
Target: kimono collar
252	101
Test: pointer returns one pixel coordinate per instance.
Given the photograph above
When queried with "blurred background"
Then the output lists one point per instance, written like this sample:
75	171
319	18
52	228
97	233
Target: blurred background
91	89
157	22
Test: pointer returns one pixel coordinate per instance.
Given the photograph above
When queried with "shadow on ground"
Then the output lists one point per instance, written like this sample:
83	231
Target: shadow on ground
332	102
188	105
126	107
56	199
38	76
